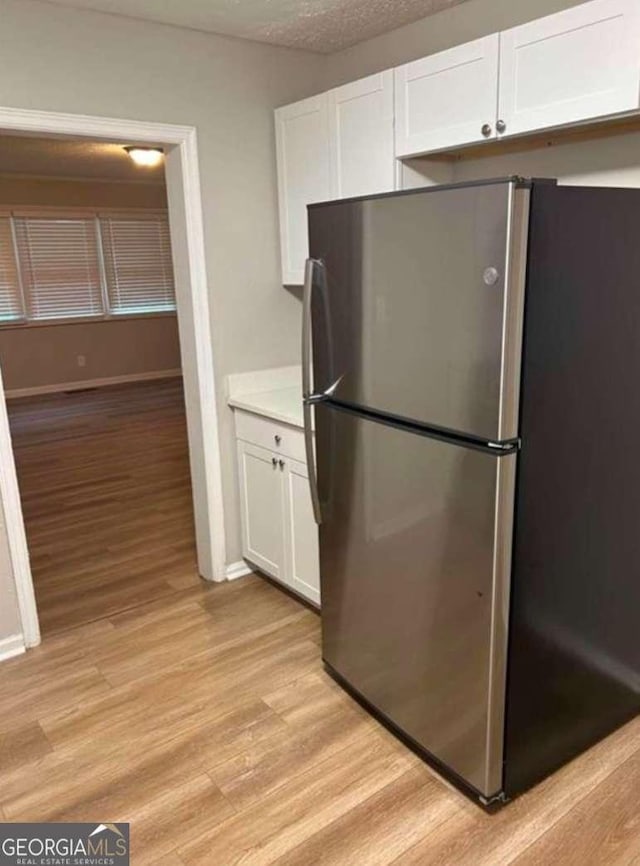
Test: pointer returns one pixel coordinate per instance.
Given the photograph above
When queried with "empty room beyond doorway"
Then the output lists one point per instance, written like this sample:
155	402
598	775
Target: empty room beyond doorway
91	364
106	495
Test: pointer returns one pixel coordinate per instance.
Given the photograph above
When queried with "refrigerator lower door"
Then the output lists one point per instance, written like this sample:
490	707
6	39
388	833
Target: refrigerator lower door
415	550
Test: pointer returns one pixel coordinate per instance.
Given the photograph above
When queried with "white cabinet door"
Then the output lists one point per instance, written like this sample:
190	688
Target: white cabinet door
446	100
580	63
302	146
261	501
361	136
301	533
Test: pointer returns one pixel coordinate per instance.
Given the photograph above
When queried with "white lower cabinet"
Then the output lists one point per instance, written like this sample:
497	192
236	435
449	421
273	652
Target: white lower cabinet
301	532
262	508
279	534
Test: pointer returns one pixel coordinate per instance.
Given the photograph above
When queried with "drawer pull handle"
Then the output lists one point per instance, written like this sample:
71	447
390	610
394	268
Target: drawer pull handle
281	462
274	461
278	439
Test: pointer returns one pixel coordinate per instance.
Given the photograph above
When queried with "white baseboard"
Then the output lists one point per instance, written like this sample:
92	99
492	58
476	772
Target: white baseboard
91	383
237	569
11	646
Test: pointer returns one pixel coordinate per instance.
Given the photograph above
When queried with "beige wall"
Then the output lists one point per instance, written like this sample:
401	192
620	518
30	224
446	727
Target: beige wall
48	354
462	23
63	59
50	192
613	161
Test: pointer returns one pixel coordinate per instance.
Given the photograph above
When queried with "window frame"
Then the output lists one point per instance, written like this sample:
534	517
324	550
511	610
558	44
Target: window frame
52	211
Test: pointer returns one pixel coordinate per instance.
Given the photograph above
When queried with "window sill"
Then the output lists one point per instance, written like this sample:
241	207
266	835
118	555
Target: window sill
84	320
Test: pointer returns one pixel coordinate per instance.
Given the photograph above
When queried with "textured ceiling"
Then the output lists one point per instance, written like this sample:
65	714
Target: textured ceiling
316	25
59	157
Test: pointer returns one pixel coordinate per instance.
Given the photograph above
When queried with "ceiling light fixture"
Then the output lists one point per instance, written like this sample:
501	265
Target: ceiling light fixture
147	156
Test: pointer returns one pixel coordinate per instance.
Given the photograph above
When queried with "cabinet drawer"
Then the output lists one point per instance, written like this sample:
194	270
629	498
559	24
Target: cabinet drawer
280	438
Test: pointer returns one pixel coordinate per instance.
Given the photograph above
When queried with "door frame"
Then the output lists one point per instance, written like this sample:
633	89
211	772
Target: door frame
194	322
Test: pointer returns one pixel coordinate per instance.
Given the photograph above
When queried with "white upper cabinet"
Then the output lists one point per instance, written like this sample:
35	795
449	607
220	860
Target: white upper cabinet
569	67
302	147
578	65
361	137
447	99
335	145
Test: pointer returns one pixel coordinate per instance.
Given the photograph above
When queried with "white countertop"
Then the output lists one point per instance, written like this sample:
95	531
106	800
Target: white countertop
281	404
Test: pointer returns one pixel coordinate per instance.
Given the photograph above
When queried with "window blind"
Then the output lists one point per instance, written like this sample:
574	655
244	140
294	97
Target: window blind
59	266
137	263
10	296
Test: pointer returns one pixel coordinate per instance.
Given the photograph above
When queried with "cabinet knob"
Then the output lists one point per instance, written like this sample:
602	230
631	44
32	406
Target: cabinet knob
278	439
486	129
281	462
274	461
501	126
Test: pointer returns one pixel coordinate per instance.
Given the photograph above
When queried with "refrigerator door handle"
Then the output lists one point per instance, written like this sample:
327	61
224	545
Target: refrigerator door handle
309	272
308	400
311	461
321	396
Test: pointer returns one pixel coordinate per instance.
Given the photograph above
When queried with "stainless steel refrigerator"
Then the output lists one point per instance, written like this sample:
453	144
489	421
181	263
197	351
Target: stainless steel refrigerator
414	311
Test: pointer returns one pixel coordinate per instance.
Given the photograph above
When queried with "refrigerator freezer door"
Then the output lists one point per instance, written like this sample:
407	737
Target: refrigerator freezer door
415	563
417	305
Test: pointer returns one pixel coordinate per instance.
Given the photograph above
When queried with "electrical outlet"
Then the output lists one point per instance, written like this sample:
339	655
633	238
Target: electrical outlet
82	360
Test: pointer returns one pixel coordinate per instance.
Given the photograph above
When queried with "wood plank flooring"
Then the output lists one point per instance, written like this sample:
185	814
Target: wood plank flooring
202	715
106	495
206	720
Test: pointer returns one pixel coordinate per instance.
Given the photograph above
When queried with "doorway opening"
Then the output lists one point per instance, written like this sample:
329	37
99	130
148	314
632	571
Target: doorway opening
120	412
106	498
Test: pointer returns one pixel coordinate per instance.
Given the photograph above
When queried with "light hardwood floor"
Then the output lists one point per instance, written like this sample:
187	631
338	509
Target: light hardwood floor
204	718
106	495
